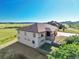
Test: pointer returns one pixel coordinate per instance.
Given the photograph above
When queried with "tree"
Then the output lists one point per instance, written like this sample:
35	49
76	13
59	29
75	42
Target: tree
64	26
68	51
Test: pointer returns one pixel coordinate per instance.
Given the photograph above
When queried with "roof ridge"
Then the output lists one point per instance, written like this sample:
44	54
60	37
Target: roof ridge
37	26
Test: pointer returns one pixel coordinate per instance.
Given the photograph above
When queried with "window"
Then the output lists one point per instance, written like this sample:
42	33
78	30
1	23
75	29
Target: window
34	35
18	37
33	42
25	33
28	39
42	40
42	35
25	39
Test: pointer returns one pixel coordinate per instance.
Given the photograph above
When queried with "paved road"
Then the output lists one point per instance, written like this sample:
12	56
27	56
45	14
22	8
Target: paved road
65	34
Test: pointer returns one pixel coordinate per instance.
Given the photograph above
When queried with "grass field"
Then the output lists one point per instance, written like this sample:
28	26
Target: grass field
12	25
70	30
75	25
9	34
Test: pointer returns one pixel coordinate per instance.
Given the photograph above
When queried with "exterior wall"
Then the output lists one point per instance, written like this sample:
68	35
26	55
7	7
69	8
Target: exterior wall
27	38
41	39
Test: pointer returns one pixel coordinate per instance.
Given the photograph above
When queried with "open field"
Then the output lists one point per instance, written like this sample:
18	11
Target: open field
8	32
70	30
12	25
7	35
74	25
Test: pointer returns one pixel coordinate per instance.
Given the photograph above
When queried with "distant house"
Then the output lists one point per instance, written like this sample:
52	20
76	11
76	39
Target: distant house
37	34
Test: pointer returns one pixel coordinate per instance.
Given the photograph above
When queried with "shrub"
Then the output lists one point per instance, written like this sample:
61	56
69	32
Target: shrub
68	51
72	39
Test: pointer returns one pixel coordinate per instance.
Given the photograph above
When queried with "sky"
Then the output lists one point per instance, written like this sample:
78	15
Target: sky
39	10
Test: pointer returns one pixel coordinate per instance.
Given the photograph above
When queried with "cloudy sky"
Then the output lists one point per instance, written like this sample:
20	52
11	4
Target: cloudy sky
39	10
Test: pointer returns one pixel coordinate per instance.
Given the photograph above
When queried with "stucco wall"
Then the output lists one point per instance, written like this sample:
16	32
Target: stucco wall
27	38
41	40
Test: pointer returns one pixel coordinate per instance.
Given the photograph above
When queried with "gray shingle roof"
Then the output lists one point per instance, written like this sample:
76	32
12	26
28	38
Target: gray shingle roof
39	27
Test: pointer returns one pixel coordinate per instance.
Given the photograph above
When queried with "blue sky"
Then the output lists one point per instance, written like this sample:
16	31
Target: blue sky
39	10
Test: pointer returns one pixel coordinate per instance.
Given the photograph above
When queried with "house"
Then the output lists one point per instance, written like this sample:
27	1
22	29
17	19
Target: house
37	34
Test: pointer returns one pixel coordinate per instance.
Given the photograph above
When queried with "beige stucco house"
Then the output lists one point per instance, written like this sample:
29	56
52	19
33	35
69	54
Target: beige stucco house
37	34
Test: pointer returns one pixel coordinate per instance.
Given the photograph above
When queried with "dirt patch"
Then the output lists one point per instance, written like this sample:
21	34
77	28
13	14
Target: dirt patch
19	48
60	39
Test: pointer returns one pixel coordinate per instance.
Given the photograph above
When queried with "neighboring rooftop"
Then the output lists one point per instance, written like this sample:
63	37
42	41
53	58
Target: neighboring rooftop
38	27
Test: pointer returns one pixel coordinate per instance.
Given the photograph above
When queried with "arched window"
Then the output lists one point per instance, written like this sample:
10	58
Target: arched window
25	33
42	35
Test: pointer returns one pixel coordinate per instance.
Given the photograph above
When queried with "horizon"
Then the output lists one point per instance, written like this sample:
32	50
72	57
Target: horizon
39	11
35	21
